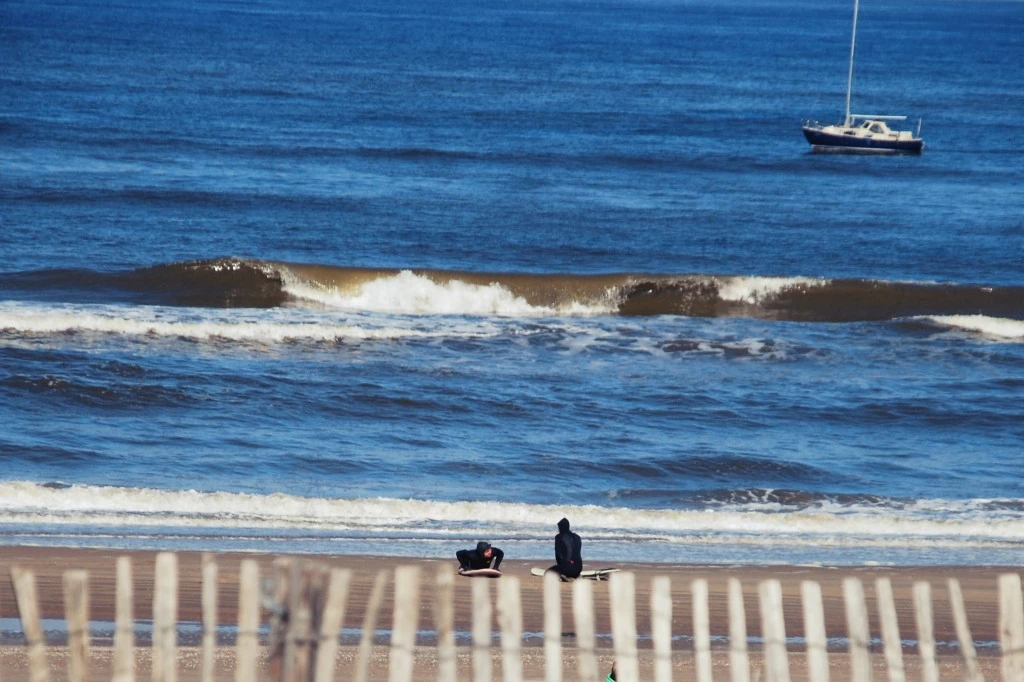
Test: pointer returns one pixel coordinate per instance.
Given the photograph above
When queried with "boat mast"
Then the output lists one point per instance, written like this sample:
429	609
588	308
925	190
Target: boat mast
849	77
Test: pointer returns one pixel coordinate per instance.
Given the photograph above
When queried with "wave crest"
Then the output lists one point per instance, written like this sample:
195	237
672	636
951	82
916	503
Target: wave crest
995	328
234	282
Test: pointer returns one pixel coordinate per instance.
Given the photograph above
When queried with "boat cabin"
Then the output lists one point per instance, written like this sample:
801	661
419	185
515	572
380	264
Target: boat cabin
877	127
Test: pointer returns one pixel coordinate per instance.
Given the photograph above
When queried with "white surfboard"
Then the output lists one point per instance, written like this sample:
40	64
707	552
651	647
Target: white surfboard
481	573
597	574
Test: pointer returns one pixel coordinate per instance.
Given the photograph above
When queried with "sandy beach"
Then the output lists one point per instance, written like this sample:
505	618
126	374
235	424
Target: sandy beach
978	585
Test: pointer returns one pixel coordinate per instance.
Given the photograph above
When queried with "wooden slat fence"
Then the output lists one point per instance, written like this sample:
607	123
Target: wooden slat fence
305	603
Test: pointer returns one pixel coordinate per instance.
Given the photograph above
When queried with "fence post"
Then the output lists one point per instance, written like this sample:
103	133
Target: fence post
124	625
814	631
622	590
209	598
76	614
248	621
925	631
403	628
963	631
306	603
701	630
857	630
552	627
370	626
510	618
481	592
773	630
281	653
165	618
583	615
444	618
292	633
1011	627
661	627
330	623
739	660
24	582
890	630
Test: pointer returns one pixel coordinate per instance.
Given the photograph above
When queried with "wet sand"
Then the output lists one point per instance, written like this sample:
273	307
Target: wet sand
978	585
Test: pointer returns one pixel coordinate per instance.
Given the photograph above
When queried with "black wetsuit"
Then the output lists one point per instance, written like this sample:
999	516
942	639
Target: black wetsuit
470	559
568	556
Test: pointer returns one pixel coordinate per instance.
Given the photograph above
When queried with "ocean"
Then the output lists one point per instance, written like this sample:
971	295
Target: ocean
338	278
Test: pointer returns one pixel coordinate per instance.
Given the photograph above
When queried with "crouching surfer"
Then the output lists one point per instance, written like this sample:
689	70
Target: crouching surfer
484	556
568	552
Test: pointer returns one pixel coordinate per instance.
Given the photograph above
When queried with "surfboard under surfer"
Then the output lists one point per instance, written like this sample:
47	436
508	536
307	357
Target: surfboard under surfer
484	556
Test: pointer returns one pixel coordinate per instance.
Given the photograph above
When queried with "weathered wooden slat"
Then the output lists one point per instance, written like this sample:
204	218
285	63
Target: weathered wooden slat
583	616
247	640
890	630
773	630
331	622
661	627
814	631
444	620
552	627
1011	627
309	585
370	626
963	632
295	629
165	618
622	591
209	600
857	630
24	582
76	614
739	660
124	624
701	630
510	620
281	653
925	631
403	628
481	593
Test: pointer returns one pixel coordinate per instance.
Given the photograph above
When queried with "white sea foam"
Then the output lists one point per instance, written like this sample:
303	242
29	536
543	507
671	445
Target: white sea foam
932	523
412	294
262	326
997	328
409	293
755	290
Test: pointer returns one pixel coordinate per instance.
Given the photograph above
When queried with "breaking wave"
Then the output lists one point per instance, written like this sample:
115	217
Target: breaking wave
758	518
995	328
234	283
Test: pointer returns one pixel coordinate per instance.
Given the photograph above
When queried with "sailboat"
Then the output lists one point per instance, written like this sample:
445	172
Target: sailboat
862	132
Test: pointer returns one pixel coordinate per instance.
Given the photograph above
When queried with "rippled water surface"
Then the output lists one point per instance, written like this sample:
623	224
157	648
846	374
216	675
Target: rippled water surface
392	279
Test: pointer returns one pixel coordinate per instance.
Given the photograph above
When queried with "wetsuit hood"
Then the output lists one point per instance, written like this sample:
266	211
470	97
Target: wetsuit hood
563	526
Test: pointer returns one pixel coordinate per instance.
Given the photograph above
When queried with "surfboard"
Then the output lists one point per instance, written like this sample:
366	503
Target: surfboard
481	573
597	574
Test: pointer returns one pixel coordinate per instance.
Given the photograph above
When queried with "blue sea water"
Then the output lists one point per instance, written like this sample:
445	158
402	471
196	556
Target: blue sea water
363	278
